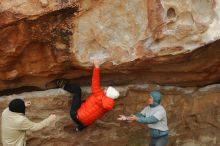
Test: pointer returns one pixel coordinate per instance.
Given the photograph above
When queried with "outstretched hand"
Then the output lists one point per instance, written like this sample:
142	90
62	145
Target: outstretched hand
52	117
97	63
27	103
127	118
132	118
122	118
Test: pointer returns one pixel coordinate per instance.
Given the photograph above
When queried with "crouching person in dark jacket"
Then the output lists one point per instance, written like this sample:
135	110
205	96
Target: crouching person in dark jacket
154	115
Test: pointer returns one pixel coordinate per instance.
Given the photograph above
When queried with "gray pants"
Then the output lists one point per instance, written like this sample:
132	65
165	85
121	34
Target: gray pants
161	141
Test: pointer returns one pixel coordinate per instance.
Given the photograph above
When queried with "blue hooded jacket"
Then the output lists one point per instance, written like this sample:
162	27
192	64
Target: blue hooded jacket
156	95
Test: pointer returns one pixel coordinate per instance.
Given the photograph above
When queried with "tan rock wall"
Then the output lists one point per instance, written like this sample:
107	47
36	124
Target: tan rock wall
167	42
193	117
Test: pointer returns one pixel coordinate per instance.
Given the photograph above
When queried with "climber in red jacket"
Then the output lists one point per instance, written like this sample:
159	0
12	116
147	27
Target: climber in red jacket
95	106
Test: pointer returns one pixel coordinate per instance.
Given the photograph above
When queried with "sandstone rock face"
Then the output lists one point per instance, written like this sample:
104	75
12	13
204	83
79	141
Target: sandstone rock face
166	42
12	11
193	117
129	30
139	42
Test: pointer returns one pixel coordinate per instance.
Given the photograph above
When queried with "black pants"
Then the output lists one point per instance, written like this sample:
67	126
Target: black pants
76	103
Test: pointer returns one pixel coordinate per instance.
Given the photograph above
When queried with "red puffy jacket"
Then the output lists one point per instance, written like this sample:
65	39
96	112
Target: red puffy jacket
97	104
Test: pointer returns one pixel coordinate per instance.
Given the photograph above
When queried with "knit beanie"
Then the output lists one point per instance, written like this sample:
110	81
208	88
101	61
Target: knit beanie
156	95
17	106
112	93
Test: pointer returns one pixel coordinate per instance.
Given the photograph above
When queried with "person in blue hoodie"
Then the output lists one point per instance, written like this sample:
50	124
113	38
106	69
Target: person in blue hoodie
154	115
